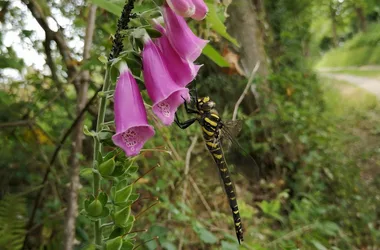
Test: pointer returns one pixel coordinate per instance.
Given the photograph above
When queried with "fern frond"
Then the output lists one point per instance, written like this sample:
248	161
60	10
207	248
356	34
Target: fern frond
12	222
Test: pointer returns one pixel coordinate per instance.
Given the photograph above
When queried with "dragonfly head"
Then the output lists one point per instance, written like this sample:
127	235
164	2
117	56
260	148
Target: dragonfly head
205	104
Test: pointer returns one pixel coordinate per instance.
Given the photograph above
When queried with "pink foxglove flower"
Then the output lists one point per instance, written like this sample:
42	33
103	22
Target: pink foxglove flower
201	10
181	71
132	128
183	40
184	8
164	92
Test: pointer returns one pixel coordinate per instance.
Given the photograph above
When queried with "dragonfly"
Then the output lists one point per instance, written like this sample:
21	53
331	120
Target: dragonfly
214	130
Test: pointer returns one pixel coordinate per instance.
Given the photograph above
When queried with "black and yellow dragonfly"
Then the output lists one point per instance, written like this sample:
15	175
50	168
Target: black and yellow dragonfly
214	129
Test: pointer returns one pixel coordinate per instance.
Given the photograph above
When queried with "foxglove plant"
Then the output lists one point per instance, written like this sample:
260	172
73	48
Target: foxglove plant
162	89
167	67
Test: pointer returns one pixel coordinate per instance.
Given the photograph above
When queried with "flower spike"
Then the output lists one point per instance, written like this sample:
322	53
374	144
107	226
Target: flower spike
132	128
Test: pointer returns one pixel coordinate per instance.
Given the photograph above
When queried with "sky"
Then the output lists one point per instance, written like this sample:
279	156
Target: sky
24	49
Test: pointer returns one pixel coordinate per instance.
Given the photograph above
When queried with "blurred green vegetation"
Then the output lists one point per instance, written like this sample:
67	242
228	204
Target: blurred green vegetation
316	141
361	49
357	72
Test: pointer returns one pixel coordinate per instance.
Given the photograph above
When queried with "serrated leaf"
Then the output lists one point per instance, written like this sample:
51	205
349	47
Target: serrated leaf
215	56
217	25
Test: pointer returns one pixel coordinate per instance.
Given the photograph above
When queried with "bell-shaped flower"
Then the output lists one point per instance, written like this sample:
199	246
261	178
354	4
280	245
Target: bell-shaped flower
132	128
201	10
184	8
183	40
181	71
162	90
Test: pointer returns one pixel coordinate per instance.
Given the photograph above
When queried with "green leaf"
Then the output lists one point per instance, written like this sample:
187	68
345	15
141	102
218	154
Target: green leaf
86	172
127	245
95	208
153	33
103	198
217	25
226	245
103	59
121	216
114	244
107	167
168	245
215	56
123	194
318	245
109	6
207	237
116	232
87	132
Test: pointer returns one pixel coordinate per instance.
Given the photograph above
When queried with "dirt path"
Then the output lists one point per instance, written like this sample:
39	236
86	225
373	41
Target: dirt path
369	84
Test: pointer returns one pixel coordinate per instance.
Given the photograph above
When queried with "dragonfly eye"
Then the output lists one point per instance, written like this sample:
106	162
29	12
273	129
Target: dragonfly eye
211	104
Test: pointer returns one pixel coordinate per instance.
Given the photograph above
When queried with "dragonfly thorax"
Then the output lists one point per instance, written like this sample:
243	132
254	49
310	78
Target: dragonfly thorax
205	104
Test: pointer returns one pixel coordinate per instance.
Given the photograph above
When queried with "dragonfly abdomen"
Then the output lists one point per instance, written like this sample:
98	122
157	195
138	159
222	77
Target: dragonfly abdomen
217	153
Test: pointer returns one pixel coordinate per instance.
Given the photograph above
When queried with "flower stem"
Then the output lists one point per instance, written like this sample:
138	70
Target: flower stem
97	150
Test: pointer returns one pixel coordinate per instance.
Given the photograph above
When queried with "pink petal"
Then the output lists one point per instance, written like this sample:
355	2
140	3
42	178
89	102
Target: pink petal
183	40
183	8
201	10
181	71
132	128
164	92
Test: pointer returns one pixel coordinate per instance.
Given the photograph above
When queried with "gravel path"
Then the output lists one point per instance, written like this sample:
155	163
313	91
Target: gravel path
369	84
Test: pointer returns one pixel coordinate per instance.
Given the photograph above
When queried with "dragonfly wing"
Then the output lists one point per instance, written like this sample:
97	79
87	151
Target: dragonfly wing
235	153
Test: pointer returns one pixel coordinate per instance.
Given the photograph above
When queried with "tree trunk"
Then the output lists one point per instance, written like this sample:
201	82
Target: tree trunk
243	25
362	21
77	146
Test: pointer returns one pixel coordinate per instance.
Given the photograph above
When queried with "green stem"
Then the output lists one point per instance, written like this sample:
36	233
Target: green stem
98	149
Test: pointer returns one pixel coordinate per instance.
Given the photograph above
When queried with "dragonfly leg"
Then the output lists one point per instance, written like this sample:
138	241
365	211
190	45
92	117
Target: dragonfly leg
185	124
196	94
189	110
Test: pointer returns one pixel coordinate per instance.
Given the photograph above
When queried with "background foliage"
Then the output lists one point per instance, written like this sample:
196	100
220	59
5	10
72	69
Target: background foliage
316	141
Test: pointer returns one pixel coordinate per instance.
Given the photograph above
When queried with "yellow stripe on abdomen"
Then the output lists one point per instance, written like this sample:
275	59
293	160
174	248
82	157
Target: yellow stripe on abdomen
212	123
209	133
218	156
